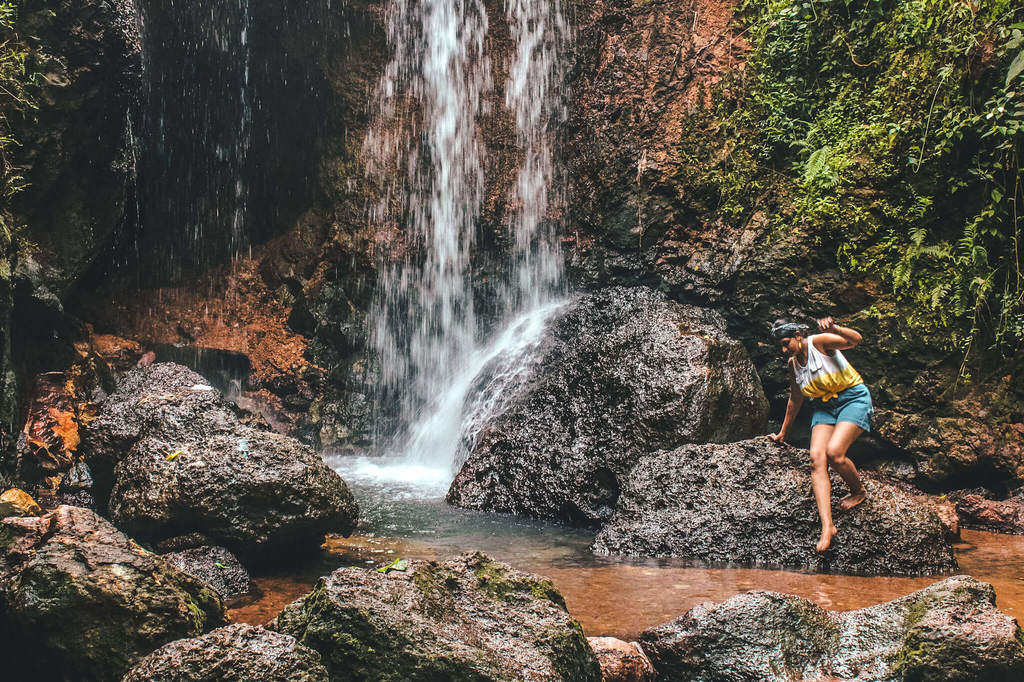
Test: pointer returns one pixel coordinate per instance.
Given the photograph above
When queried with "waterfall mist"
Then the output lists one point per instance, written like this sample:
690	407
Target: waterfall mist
429	338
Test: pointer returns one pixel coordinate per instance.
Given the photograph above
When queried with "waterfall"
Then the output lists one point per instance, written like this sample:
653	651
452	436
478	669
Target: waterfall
426	333
197	130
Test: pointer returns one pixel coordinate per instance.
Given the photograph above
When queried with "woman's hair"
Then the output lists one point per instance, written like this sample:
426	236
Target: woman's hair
782	329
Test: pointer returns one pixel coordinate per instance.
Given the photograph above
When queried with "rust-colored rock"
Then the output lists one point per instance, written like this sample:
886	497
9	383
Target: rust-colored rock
51	429
622	661
997	516
16	502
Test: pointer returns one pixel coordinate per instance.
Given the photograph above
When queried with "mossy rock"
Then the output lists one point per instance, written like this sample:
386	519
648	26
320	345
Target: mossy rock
81	601
465	619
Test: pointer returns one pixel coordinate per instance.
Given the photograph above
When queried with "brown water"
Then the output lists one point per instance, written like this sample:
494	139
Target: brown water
610	596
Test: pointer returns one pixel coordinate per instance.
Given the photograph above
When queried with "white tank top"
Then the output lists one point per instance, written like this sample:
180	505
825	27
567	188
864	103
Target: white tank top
824	376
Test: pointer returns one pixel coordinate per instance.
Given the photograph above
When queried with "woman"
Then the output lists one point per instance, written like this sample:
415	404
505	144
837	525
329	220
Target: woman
842	408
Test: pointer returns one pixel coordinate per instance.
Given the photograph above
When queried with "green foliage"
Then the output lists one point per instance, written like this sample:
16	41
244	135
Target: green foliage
897	128
22	66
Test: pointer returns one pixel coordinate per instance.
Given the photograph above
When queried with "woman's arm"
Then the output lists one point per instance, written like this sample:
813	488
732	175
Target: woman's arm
796	399
834	337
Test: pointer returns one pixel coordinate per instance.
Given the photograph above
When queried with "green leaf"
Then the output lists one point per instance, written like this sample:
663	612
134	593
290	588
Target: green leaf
1015	67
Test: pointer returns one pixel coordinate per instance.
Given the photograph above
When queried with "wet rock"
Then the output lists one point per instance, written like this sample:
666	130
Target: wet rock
162	400
15	502
51	434
253	492
950	630
179	543
76	487
178	461
617	374
468	618
79	600
622	661
215	566
236	653
997	516
946	448
751	503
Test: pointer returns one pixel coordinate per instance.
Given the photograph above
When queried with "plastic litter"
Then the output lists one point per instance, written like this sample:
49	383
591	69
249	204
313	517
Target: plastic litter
243	447
171	455
219	564
202	387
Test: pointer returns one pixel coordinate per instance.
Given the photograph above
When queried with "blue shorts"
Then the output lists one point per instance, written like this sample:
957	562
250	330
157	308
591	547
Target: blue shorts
852	405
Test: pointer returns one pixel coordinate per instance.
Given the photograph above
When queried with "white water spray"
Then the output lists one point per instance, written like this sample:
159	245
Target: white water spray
425	331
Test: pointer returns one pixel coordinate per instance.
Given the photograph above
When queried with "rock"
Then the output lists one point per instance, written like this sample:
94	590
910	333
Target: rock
622	661
79	600
751	503
950	630
15	502
467	618
51	429
178	461
259	494
179	543
76	487
617	374
215	566
948	448
946	511
236	653
159	400
996	516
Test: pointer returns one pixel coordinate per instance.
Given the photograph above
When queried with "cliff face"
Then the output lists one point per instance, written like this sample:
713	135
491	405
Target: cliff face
672	182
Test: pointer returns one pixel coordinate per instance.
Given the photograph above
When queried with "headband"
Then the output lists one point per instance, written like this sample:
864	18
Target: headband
788	329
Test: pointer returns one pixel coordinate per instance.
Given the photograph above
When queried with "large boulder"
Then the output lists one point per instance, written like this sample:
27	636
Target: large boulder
177	460
618	373
468	618
160	400
81	601
236	653
252	491
950	630
751	502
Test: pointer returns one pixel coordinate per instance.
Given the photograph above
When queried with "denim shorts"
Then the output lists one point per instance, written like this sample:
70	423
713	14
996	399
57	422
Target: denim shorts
852	405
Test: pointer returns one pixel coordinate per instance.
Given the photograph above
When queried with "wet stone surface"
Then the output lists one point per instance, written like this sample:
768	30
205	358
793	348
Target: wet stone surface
617	374
467	618
751	503
950	630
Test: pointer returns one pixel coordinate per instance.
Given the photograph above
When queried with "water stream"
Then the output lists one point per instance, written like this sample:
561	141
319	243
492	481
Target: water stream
612	596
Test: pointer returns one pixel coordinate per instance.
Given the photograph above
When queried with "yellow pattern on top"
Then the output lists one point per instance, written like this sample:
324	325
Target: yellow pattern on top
828	386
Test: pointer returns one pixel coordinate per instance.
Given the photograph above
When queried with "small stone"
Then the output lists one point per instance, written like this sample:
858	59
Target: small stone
622	661
217	566
16	502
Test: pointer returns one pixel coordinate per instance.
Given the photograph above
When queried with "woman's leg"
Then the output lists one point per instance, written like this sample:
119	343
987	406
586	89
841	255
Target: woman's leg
821	435
841	439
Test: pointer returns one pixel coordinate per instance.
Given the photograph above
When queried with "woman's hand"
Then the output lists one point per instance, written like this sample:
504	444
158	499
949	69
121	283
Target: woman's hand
779	437
826	324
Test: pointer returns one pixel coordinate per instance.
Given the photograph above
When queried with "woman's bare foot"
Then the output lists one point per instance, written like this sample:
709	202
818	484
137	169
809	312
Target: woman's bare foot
826	538
852	500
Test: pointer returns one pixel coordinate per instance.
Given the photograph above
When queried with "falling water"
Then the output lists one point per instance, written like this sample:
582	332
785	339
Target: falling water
425	331
197	131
